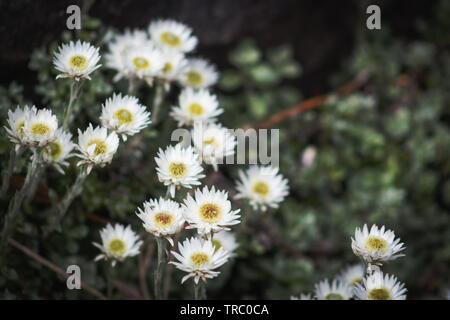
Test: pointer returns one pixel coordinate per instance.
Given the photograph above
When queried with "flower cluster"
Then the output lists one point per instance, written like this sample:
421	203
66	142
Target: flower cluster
374	247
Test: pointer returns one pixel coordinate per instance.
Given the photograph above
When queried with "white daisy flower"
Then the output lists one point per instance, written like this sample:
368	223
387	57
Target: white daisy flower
196	105
227	240
119	47
124	115
170	34
263	186
161	218
144	62
118	243
178	167
377	245
353	274
198	73
199	258
380	287
337	290
213	142
303	296
173	64
57	152
96	146
16	122
76	60
210	211
40	128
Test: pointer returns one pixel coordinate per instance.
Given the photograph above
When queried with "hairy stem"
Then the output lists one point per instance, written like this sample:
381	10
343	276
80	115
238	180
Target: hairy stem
159	268
60	210
199	290
157	100
75	87
16	202
8	171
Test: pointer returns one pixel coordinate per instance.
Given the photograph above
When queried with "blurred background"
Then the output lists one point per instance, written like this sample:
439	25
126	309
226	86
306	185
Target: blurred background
366	138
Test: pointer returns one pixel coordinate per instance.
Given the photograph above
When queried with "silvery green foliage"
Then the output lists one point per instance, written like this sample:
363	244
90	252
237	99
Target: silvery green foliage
382	156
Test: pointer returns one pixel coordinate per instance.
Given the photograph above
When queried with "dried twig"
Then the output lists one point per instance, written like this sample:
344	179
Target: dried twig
54	267
313	102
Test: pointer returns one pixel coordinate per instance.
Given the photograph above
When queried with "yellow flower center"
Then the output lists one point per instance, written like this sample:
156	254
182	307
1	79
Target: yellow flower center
123	116
334	296
217	244
54	149
177	169
167	67
196	109
100	146
194	77
39	128
141	63
210	212
379	294
374	243
170	38
261	188
78	62
210	140
356	280
199	258
117	246
163	219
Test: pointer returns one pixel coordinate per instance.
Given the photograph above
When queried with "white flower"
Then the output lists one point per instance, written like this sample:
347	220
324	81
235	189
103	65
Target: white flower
96	146
227	240
118	243
178	167
59	150
119	47
161	218
196	105
144	62
40	128
16	123
380	287
376	246
76	60
213	142
210	211
262	186
199	258
198	73
173	35
338	290
124	115
303	296
173	64
352	274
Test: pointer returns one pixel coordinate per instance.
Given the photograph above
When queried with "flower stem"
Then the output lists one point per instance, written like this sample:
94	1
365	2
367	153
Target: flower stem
16	203
159	268
8	171
109	280
60	210
74	94
199	291
132	85
157	100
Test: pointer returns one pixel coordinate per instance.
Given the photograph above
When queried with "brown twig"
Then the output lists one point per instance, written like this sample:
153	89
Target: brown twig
313	102
143	264
54	267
